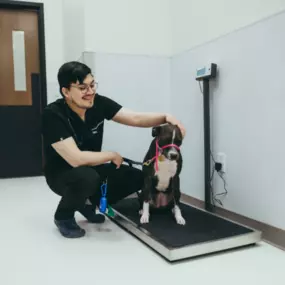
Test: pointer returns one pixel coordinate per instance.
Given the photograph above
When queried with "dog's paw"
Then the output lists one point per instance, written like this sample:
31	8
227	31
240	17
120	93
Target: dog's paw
180	220
144	219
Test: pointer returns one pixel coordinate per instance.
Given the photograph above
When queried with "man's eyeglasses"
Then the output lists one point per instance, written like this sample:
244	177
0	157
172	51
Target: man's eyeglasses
84	87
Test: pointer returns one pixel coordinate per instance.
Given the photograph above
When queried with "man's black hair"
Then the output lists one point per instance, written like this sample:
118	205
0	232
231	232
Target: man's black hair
70	72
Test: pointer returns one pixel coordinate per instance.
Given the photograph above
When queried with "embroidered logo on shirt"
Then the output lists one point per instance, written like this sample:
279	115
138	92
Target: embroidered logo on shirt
94	130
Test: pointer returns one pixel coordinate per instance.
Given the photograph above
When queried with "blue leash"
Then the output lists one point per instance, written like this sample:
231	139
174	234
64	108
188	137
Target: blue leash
103	201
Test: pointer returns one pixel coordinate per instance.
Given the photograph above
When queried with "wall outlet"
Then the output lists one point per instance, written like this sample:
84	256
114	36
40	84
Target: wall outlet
221	158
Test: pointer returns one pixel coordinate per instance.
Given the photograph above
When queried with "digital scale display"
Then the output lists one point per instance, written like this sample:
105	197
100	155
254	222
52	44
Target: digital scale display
201	71
206	72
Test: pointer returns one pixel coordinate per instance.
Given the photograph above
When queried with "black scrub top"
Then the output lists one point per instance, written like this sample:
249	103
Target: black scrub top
60	122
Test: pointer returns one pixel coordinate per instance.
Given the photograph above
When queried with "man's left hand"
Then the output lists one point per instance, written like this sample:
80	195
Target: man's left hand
172	120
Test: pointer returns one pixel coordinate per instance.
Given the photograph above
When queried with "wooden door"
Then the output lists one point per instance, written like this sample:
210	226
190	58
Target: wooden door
20	97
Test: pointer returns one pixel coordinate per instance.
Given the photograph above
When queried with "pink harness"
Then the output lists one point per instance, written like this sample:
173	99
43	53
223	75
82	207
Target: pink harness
158	152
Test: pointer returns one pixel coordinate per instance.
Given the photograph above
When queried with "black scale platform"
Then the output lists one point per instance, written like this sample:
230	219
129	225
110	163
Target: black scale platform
200	226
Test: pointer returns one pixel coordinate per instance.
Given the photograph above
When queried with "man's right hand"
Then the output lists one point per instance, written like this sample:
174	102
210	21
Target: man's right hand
117	159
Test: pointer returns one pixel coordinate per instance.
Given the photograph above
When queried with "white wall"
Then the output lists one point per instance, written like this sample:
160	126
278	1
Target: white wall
140	27
195	22
73	28
248	118
54	44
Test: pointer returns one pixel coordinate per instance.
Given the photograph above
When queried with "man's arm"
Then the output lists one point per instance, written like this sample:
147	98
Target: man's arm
136	119
145	120
69	151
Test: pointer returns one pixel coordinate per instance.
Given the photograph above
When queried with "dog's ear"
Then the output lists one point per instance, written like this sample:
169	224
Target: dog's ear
155	131
178	133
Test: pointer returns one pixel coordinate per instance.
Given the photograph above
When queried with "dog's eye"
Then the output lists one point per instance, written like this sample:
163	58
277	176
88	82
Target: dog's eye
178	142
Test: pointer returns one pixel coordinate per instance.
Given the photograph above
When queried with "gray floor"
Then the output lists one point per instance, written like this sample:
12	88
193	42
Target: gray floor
33	252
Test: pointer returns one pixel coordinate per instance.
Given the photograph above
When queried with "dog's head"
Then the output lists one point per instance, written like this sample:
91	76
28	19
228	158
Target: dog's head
169	139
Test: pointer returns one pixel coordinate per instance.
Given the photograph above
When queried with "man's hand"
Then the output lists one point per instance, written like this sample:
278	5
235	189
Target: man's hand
172	120
117	159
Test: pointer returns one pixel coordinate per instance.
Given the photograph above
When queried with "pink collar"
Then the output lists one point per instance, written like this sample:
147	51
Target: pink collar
158	151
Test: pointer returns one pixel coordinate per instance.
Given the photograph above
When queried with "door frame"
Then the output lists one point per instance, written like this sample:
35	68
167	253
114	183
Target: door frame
39	8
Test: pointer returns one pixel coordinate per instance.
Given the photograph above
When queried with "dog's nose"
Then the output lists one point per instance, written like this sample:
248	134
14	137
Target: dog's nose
173	156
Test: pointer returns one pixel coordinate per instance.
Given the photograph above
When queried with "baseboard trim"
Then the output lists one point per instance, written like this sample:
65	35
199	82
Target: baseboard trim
270	234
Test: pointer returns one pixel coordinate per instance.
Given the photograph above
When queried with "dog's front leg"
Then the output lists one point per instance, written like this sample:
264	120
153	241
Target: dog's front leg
146	198
177	194
145	213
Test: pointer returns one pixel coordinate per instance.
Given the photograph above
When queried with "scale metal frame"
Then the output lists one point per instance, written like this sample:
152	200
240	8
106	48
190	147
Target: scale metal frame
189	251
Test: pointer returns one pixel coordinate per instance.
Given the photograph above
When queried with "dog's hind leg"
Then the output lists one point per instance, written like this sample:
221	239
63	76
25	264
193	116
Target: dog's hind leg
177	195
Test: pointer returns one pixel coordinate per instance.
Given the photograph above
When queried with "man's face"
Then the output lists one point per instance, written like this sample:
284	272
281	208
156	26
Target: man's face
82	95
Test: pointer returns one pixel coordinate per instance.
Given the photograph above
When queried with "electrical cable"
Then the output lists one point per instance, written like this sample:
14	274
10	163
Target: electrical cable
214	196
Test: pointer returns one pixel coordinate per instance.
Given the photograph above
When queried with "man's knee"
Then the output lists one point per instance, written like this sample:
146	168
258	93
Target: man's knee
86	179
139	177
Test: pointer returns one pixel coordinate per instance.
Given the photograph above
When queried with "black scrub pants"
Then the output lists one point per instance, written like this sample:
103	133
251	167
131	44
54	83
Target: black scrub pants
81	183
